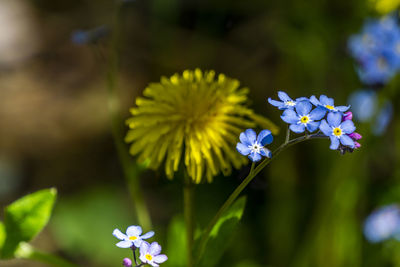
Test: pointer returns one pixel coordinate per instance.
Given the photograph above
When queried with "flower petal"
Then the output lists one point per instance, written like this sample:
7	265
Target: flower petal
276	103
334	142
124	244
154	249
314	100
348	127
251	135
290	116
347	141
138	242
243	149
243	138
147	235
118	234
297	128
265	137
265	152
312	126
133	230
342	108
283	96
144	247
334	119
160	258
325	128
324	100
255	157
303	108
317	113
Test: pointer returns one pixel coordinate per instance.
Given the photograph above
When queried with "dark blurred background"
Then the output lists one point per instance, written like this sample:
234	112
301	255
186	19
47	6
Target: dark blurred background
306	209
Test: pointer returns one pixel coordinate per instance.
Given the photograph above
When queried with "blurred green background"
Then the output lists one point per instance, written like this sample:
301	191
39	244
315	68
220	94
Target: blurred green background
306	209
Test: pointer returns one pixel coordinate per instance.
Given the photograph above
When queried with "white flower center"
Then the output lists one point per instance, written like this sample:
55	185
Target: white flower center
290	103
255	148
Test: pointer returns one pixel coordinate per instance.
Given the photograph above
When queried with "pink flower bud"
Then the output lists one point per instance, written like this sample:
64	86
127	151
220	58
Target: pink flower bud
348	116
355	136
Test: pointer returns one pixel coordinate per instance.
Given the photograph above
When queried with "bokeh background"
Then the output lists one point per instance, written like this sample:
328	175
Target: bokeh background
305	209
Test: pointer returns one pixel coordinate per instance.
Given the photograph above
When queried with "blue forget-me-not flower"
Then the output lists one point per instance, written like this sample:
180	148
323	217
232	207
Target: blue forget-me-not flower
337	130
252	145
286	102
303	118
132	237
328	104
383	224
150	254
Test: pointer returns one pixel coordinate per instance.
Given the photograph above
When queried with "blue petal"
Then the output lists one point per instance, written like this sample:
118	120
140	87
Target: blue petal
334	143
255	157
243	138
317	113
312	126
347	141
324	100
303	108
302	99
243	149
314	101
283	96
342	108
265	152
251	135
147	235
348	127
276	103
289	116
325	128
124	244
297	128
334	118
265	137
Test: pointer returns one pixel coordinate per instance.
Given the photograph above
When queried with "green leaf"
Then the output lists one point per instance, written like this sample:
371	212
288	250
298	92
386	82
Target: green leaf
176	246
222	234
2	235
25	218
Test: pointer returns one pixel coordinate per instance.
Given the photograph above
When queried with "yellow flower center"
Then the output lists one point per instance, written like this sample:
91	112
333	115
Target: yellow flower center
304	119
337	131
133	238
149	257
329	107
290	103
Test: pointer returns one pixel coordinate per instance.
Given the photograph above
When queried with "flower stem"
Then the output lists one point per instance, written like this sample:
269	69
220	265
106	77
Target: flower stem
28	252
130	169
287	135
242	186
188	202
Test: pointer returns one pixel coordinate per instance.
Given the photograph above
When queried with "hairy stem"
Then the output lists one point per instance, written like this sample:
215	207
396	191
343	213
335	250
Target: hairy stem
245	182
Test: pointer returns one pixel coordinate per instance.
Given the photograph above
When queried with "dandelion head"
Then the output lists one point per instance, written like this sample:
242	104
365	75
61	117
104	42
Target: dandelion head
192	118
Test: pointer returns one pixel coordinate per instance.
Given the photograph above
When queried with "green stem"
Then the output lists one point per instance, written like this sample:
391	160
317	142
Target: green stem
188	202
28	252
242	186
130	169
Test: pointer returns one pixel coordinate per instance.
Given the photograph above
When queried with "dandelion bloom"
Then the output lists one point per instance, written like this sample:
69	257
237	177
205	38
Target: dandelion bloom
195	118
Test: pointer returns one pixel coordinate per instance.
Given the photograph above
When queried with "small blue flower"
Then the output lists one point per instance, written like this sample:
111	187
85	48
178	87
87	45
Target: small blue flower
132	237
303	118
383	224
377	70
338	131
253	145
150	254
286	102
328	104
363	104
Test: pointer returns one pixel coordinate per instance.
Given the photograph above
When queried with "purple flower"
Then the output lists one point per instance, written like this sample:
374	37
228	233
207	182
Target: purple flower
286	102
132	237
327	103
383	224
252	145
303	118
150	254
127	262
338	131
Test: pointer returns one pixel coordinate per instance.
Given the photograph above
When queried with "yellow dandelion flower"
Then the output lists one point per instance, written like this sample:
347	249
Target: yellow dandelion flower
195	117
